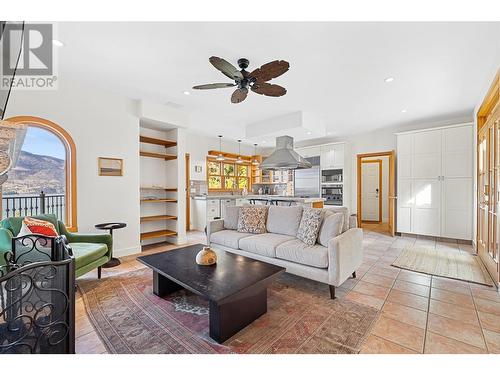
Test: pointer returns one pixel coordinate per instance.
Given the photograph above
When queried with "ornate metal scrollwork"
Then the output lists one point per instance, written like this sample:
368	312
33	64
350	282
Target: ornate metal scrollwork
37	298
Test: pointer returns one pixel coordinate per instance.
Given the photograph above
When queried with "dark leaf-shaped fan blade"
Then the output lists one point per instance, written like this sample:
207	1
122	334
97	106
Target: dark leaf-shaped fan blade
270	70
214	86
239	95
226	68
268	89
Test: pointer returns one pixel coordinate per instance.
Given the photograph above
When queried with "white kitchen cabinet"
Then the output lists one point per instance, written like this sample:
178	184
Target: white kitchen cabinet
225	203
332	156
198	214
213	209
434	182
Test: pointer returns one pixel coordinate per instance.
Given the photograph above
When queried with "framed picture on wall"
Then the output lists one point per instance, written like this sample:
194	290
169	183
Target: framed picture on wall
110	167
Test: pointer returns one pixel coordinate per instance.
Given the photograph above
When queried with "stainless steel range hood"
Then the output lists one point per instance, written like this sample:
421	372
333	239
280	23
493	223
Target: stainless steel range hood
284	157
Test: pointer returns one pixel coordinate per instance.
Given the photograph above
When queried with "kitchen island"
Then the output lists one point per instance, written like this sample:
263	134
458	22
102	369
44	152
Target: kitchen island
206	208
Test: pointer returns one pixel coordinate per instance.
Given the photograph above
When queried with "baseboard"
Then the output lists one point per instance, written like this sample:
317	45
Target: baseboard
117	253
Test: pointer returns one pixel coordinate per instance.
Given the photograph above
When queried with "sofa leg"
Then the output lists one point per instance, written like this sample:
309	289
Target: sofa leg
99	269
354	275
332	291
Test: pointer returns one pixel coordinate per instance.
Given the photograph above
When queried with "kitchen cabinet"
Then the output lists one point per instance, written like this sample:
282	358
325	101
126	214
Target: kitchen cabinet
309	152
213	209
434	182
225	203
332	156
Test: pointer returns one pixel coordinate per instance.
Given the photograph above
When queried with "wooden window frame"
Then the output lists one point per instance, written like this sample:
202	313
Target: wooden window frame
70	163
222	175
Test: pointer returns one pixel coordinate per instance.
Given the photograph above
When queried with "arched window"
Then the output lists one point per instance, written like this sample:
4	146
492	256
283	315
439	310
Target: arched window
44	179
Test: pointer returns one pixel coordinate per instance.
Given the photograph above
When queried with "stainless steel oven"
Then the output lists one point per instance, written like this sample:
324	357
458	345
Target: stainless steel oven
333	193
329	176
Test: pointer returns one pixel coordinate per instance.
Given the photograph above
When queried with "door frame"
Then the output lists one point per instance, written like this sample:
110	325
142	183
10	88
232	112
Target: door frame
379	161
188	191
489	107
392	186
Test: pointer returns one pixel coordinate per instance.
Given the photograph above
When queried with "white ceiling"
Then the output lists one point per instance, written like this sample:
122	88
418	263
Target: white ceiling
337	70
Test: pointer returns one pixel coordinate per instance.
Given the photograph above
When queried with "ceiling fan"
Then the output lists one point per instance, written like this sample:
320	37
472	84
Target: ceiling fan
255	80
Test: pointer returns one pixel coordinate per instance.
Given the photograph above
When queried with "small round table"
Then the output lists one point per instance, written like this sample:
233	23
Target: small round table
113	262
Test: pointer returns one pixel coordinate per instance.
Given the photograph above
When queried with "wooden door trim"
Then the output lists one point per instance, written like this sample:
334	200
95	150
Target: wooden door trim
188	191
392	181
489	108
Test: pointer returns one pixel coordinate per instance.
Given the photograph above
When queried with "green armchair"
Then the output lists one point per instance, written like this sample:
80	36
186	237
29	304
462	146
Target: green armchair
90	250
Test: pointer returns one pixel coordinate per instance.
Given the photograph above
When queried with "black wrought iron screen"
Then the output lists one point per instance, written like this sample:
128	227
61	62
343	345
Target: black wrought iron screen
37	297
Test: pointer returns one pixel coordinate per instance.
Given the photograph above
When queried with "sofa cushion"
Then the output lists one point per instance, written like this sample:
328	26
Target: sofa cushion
86	253
299	252
344	211
228	238
252	220
330	228
309	225
284	220
231	217
264	244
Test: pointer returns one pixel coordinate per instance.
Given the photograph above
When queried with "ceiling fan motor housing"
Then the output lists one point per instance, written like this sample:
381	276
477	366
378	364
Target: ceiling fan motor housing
243	63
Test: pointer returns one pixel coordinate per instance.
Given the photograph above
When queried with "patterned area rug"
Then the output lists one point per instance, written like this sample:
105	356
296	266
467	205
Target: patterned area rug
448	263
301	318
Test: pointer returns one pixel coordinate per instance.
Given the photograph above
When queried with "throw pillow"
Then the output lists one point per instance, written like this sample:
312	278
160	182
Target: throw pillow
36	226
331	227
252	220
309	225
231	217
24	231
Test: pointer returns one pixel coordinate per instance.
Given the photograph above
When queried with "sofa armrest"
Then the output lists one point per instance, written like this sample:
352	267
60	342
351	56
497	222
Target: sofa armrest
353	221
345	254
214	226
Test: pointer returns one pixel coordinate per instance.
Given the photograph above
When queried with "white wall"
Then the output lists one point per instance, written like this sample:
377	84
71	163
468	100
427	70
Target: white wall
101	124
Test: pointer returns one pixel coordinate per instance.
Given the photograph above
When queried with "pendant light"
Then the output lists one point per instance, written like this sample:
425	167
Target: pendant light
239	160
220	157
255	161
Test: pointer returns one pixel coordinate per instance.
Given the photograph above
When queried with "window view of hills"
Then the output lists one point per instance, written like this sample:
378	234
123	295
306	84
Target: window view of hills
34	173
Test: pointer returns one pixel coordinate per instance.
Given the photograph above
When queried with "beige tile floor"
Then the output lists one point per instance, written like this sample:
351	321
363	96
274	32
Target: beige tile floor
418	313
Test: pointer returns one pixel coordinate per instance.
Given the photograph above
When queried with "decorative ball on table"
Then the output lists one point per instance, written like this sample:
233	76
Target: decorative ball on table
206	257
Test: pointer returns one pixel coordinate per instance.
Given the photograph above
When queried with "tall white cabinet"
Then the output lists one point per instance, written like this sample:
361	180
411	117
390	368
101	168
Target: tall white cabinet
434	182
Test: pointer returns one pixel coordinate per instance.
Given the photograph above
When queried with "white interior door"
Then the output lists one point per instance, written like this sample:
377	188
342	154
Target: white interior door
370	191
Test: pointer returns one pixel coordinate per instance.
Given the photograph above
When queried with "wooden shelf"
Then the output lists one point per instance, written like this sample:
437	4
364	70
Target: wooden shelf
157	188
159	200
157	218
157	233
158	155
157	141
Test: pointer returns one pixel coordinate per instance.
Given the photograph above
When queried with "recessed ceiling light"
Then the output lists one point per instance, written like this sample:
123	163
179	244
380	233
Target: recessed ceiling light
57	43
404	111
389	79
328	133
187	93
309	133
264	141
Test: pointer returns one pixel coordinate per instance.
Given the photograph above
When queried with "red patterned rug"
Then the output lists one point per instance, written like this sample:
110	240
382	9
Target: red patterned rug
301	318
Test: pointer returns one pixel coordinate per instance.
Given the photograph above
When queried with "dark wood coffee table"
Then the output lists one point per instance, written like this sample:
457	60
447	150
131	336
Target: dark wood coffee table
236	287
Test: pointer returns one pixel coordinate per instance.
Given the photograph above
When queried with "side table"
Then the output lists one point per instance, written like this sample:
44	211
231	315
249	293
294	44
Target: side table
113	262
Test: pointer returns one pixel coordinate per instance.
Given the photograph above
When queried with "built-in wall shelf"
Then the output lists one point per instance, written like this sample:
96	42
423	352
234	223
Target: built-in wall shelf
159	200
157	141
157	218
158	188
157	233
158	155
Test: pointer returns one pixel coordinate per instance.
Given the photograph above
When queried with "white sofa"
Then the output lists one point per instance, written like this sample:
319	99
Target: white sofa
331	265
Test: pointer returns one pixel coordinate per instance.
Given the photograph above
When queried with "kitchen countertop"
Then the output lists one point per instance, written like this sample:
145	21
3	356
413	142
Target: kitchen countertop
263	196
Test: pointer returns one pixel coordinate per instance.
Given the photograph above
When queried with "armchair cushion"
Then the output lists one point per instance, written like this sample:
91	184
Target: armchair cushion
14	224
85	252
